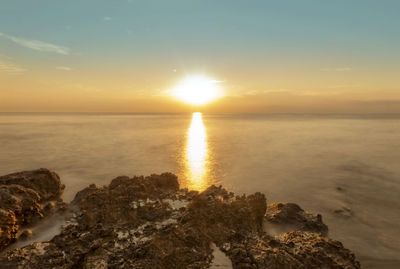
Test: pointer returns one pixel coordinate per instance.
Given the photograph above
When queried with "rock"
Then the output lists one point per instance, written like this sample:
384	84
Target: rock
8	227
293	216
46	183
344	212
148	222
25	199
300	249
114	204
27	234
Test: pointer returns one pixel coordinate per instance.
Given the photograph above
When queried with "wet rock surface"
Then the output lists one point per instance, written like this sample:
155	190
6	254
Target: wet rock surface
148	222
295	218
25	199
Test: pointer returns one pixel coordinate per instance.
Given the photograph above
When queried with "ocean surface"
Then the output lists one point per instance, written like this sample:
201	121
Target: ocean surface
323	163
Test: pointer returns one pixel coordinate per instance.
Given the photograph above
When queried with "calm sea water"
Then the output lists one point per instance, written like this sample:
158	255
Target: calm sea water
302	159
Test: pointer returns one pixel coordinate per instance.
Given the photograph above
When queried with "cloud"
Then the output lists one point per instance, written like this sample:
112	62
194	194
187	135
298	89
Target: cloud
338	69
107	18
344	86
319	93
36	44
343	69
261	92
64	68
10	68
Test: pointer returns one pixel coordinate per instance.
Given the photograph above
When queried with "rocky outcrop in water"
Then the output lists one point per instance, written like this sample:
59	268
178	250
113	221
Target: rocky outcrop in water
25	199
148	222
292	217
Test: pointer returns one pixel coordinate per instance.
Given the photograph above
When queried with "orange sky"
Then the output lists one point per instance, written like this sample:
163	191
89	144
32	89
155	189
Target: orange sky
270	57
304	92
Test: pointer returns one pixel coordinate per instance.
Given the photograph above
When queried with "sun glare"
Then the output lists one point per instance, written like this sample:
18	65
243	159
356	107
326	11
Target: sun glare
197	90
197	153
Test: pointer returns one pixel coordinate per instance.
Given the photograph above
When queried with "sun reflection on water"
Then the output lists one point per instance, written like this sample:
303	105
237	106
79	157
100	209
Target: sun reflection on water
197	154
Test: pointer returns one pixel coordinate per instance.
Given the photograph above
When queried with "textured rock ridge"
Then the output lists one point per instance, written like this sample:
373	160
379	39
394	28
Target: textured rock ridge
148	222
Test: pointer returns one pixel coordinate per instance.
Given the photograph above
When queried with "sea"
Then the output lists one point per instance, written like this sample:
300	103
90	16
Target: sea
345	167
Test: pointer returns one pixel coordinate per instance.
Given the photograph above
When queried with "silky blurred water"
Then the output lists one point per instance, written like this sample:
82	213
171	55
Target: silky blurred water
293	158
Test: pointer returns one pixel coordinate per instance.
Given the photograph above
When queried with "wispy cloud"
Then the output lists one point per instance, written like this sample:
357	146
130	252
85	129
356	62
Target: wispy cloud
64	68
343	69
36	44
344	86
107	18
319	93
260	92
10	68
338	69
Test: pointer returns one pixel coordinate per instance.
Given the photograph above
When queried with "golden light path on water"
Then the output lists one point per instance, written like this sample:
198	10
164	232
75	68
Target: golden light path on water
197	154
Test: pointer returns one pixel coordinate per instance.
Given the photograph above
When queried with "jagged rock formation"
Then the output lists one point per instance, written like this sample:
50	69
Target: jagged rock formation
26	198
295	218
148	222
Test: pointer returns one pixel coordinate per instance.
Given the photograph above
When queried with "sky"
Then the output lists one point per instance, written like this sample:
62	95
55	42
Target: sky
287	56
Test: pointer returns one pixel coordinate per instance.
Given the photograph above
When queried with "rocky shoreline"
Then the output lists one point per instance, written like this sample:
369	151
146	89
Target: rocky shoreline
149	222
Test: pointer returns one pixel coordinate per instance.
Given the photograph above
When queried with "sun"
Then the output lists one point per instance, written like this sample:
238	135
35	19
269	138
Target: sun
197	90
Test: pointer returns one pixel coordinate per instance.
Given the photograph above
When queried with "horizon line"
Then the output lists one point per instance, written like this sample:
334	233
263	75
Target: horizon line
186	113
